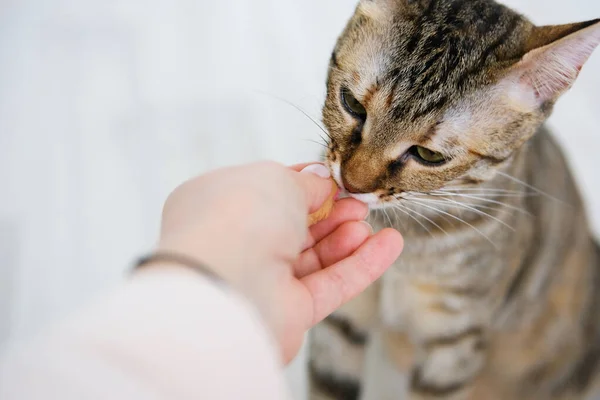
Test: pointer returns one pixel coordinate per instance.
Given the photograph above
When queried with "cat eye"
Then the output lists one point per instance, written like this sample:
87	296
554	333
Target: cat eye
352	105
426	156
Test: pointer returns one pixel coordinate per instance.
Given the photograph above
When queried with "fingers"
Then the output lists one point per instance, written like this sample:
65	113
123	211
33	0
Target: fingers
344	210
340	244
316	184
336	285
300	167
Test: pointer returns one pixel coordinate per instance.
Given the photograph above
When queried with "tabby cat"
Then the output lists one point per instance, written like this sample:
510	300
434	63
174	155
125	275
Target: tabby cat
435	110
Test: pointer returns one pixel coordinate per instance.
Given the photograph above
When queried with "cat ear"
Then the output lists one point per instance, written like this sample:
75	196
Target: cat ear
554	57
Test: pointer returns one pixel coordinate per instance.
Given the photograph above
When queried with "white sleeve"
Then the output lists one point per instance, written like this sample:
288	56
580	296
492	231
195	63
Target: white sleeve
164	335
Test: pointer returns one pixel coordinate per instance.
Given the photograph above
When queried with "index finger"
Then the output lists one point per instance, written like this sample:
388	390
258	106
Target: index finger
332	287
317	185
300	167
345	210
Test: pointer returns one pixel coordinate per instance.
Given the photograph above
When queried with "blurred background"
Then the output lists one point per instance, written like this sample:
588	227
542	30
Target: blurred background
107	105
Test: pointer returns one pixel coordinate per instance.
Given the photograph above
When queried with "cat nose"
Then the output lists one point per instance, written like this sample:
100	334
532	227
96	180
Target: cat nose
350	188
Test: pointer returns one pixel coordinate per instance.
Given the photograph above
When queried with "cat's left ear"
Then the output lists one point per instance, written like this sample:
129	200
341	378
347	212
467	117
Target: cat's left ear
554	56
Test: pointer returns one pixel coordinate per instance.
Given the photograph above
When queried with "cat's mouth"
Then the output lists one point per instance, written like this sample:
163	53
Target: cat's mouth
373	200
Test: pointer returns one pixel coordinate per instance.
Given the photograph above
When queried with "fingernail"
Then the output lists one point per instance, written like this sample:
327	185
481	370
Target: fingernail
319	170
368	226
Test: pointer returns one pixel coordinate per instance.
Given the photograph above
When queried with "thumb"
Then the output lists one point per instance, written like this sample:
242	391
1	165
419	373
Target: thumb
315	182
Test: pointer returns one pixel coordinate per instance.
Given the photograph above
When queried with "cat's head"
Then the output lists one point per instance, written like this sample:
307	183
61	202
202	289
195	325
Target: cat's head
423	94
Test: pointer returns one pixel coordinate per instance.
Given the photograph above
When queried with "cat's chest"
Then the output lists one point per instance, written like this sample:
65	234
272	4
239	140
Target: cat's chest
432	273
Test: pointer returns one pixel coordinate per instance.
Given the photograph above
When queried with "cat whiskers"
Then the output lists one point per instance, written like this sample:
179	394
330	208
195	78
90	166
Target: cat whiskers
472	208
384	212
318	143
478	197
317	124
525	184
487	191
445	202
425	218
408	211
424	204
395	210
307	115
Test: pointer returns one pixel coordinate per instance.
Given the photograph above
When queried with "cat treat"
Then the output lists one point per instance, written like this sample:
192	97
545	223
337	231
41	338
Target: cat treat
327	207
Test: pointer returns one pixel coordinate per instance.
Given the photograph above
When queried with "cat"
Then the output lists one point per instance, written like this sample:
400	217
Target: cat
435	111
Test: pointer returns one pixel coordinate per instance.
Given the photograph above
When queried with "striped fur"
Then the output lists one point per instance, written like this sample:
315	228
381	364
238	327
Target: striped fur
497	294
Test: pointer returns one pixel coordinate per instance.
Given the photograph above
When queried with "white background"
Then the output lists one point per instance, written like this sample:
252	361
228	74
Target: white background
107	105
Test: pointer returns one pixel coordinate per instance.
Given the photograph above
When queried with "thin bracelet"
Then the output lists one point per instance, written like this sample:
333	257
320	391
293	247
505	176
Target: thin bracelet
180	259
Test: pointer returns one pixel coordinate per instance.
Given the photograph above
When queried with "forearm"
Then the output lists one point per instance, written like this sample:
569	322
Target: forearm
167	334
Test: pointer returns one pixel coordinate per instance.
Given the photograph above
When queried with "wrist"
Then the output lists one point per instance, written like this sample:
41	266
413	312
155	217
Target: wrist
169	260
198	251
171	283
239	275
254	293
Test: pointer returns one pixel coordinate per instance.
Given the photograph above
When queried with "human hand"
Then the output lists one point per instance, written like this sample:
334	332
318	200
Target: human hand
248	224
